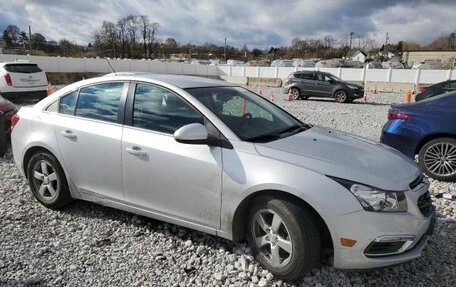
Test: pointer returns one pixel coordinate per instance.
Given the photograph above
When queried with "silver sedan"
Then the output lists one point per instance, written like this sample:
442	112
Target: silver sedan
218	158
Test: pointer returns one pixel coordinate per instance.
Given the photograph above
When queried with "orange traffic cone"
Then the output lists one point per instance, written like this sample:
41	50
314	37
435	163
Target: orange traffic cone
49	89
289	96
375	90
408	96
365	96
260	91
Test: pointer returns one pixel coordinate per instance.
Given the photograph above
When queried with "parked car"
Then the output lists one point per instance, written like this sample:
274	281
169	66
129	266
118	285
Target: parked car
436	89
306	84
218	158
22	80
7	109
426	129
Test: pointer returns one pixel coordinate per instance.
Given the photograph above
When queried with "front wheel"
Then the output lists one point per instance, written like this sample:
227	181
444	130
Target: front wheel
47	180
341	96
295	93
284	237
437	159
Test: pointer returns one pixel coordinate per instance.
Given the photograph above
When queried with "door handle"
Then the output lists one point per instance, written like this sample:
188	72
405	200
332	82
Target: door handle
135	151
68	134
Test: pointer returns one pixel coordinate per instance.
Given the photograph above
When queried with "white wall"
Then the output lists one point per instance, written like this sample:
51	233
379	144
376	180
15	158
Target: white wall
348	74
89	65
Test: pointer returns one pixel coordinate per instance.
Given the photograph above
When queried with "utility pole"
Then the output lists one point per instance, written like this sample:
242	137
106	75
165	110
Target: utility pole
224	51
30	40
351	38
386	43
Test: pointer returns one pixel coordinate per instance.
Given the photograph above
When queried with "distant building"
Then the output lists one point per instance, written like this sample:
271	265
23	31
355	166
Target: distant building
414	57
358	56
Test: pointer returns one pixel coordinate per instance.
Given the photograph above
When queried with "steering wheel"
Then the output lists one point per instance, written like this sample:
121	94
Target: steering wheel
247	116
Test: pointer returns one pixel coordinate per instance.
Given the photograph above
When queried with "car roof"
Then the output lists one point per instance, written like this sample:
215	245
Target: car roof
183	82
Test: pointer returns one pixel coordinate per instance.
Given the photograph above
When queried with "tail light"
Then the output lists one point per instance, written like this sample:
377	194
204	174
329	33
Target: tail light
394	115
14	120
47	78
8	79
422	90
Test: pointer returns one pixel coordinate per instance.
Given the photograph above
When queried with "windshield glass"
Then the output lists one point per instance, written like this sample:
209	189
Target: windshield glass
251	117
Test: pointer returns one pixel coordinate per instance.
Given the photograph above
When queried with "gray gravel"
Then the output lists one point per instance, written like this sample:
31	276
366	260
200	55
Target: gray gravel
90	245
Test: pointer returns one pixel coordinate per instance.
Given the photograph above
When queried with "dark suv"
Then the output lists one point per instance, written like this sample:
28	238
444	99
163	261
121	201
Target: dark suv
305	84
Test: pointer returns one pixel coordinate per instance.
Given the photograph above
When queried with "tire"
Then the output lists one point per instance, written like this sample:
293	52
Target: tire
296	94
296	239
437	159
47	181
341	96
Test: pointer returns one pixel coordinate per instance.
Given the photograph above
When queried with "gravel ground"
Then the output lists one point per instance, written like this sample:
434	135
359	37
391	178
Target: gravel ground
90	245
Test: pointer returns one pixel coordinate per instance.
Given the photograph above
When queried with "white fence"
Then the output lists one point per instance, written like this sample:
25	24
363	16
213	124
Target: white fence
348	74
90	65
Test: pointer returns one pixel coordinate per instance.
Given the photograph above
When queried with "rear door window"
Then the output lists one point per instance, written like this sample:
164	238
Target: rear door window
100	102
22	68
307	76
67	103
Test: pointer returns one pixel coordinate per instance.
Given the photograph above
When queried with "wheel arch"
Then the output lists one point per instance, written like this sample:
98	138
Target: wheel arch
238	223
431	137
28	155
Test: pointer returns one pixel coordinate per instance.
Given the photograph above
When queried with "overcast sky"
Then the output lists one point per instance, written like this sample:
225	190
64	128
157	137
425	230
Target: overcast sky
257	23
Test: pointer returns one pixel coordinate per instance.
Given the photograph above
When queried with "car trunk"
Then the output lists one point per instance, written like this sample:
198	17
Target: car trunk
26	75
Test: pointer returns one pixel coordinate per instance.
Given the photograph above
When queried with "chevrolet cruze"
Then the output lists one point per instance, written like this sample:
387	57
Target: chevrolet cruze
218	158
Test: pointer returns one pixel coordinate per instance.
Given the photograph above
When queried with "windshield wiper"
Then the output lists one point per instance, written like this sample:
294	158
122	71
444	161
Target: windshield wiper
294	128
264	138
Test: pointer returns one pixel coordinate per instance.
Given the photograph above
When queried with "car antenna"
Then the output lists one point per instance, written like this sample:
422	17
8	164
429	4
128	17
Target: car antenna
112	68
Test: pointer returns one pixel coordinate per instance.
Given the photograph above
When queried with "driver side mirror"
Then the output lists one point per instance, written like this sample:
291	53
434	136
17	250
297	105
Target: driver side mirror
192	134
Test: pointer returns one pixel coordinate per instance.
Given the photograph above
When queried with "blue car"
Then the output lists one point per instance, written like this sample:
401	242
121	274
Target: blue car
427	129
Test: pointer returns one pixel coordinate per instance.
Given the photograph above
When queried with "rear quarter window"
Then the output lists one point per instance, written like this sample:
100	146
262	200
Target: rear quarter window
22	68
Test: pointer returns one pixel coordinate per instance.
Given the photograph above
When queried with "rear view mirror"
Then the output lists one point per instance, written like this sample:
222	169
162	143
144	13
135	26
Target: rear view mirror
192	134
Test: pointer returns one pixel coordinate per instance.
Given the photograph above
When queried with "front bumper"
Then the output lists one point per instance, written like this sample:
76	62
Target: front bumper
355	94
365	227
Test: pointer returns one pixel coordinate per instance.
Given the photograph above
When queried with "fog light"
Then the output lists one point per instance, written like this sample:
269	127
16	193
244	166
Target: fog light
389	245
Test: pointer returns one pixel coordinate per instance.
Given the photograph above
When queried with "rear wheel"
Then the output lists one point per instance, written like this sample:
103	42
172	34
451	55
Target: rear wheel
47	180
437	159
295	93
341	96
284	237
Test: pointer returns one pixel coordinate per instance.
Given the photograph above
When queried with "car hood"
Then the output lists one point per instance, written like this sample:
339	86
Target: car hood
5	105
354	84
334	153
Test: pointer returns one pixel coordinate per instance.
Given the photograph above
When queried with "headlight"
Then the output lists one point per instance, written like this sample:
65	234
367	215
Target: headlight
352	87
374	199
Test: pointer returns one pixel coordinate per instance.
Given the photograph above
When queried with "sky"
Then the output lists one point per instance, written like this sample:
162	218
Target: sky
256	23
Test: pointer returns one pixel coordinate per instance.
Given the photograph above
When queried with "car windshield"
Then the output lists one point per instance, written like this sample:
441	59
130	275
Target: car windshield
251	117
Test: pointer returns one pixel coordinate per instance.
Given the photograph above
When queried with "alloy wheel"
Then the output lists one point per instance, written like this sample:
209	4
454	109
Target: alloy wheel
440	159
295	94
272	238
341	96
46	181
